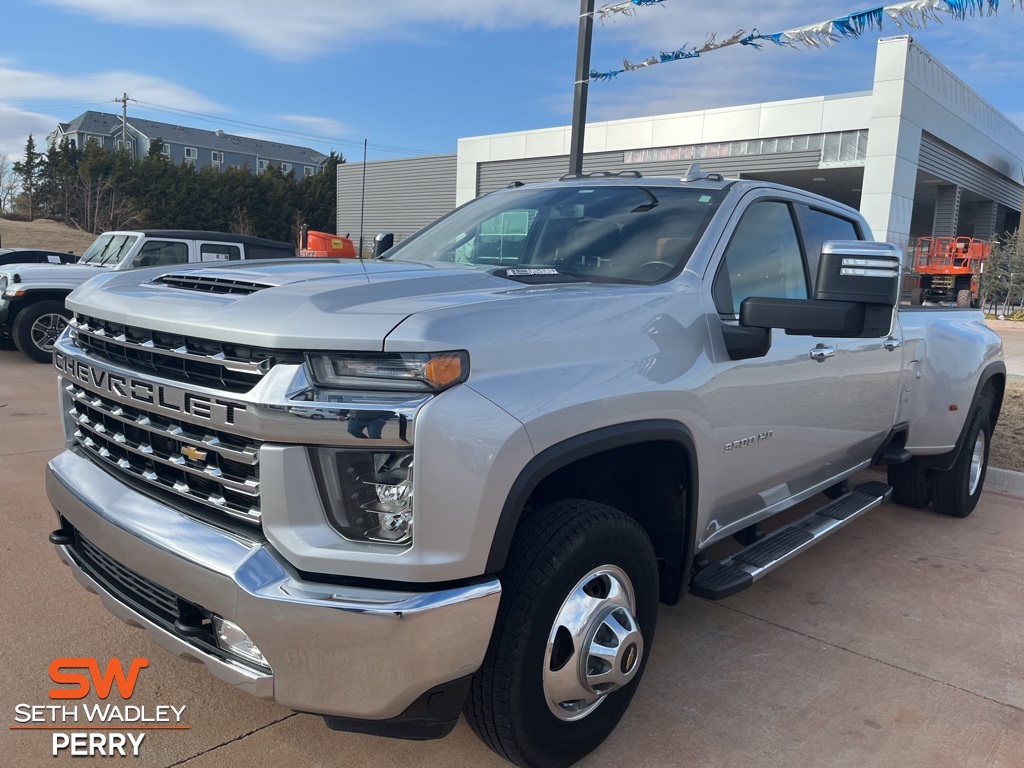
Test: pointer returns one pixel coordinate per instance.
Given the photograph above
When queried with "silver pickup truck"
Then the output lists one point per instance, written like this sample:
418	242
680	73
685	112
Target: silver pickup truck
32	311
460	478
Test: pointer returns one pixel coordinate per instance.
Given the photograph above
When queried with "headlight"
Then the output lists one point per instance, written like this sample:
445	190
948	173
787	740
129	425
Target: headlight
3	284
416	371
368	494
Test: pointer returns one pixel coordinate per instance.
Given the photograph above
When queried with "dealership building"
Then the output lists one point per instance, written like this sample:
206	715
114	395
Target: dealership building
920	154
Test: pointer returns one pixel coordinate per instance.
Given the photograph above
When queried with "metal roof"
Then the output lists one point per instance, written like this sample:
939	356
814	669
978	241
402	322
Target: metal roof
105	124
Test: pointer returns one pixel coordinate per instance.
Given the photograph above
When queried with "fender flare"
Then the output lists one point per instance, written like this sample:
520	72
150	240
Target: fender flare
945	461
580	447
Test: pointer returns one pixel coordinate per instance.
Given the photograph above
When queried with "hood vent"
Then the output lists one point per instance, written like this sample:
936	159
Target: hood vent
209	284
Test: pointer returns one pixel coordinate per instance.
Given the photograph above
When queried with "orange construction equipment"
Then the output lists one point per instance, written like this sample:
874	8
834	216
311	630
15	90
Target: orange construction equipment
949	268
321	245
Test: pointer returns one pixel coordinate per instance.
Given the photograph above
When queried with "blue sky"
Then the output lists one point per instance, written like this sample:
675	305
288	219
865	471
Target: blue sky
412	76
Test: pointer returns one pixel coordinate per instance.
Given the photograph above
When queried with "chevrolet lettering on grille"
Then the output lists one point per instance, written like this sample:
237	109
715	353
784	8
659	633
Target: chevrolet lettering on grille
156	396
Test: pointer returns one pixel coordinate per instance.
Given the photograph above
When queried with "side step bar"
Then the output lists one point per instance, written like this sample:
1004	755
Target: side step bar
740	570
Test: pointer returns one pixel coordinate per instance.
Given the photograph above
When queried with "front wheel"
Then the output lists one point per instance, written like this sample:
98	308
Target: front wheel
957	489
963	299
572	636
37	327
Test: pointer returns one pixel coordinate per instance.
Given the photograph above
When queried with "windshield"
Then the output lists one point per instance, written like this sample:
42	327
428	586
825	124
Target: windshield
599	233
108	250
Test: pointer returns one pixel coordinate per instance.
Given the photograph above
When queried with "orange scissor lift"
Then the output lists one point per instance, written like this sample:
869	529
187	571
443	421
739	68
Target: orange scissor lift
948	269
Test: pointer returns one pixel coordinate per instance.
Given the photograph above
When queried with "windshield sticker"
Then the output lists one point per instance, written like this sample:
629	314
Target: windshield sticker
705	199
532	271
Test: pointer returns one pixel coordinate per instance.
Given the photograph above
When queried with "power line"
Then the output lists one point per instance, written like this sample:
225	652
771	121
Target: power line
275	131
281	131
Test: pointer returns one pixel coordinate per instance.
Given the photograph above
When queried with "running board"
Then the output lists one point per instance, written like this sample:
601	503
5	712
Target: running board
740	570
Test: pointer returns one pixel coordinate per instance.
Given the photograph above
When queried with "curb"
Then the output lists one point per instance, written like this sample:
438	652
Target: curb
1005	481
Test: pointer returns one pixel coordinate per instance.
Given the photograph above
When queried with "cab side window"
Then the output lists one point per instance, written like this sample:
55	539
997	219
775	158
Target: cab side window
763	258
161	253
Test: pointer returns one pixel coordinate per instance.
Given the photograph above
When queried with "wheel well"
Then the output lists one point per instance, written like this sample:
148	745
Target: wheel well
992	391
33	297
649	481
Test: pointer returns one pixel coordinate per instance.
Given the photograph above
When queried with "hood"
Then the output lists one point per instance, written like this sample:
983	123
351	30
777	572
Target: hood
295	305
52	273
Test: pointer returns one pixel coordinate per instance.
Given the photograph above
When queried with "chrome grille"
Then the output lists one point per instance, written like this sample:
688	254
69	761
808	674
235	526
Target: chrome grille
207	284
225	366
213	469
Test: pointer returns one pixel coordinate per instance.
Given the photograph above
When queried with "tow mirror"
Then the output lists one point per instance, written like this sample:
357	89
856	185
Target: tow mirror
382	243
854	270
858	286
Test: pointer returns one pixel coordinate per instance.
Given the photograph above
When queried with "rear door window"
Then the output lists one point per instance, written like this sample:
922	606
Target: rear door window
219	252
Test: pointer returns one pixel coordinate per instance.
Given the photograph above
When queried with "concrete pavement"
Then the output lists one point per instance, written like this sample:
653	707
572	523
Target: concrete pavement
899	641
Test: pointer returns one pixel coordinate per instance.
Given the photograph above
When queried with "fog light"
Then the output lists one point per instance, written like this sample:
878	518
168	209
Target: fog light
231	638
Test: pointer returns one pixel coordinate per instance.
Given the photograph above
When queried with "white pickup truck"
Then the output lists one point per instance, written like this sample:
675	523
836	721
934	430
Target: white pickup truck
460	478
32	311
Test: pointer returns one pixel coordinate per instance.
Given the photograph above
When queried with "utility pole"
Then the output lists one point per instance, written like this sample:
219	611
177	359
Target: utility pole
579	101
124	122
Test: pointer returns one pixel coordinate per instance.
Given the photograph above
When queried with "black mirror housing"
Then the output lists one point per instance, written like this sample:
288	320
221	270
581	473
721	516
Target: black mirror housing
860	271
803	317
383	242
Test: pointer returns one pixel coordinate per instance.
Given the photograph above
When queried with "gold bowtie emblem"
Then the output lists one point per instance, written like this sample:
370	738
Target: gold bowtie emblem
193	453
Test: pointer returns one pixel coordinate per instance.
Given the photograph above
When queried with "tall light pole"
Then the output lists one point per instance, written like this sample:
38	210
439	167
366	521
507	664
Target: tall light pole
579	101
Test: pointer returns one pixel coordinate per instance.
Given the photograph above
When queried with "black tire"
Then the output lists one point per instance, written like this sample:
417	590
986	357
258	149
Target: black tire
916	297
553	555
36	328
963	299
957	489
911	484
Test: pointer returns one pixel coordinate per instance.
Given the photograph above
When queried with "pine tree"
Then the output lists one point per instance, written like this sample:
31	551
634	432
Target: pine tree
29	171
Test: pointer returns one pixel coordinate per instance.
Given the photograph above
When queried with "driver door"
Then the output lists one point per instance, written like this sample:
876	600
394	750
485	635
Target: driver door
770	417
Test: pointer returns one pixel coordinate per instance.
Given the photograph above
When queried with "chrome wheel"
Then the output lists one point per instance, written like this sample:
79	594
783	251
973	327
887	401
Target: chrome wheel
595	645
977	464
46	329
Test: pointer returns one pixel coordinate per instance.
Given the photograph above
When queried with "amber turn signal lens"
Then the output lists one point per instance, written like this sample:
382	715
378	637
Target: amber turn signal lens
444	370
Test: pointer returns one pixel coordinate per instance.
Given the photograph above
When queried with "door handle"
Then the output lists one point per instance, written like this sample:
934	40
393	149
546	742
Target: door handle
892	343
821	353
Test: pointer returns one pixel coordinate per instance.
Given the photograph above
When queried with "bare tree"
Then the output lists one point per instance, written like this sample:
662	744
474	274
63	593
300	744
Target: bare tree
8	182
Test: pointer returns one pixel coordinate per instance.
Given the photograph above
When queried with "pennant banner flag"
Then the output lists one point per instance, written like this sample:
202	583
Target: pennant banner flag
915	13
628	8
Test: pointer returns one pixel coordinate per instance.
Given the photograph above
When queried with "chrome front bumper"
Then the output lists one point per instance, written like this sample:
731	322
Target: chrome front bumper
349	651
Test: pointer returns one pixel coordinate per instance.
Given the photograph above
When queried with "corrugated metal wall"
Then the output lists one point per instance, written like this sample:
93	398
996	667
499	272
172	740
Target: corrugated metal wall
402	196
946	217
986	220
498	174
947	163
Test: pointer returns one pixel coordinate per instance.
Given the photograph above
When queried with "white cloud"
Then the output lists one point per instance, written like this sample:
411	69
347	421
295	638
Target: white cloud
301	28
16	125
21	85
22	92
321	127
